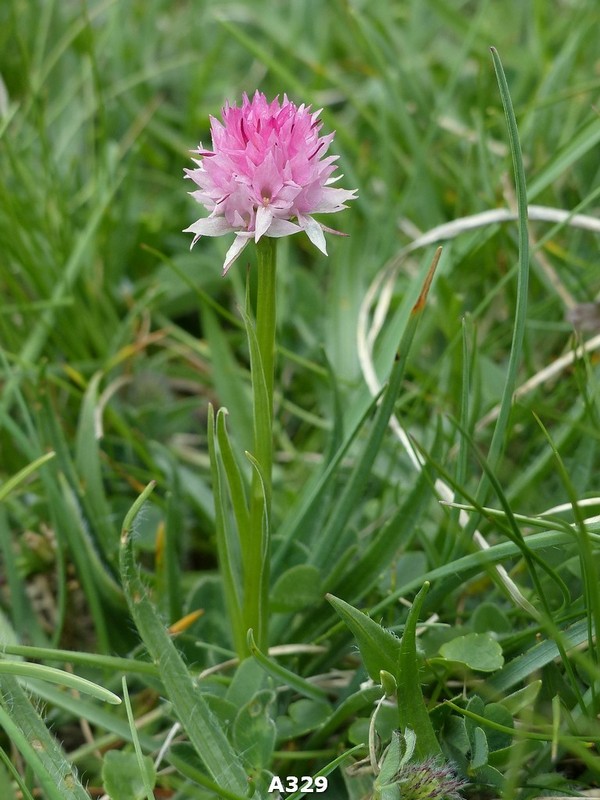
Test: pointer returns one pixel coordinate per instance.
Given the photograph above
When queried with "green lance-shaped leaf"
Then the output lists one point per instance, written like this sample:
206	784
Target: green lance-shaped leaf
379	648
203	728
53	675
40	751
235	480
412	711
228	493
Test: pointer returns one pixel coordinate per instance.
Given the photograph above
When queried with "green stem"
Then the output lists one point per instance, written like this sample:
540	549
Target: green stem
265	312
257	564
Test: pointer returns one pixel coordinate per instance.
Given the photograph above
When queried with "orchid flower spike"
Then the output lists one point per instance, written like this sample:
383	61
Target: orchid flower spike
266	175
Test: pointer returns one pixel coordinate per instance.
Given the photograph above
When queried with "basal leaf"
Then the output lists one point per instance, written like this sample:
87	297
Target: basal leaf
203	728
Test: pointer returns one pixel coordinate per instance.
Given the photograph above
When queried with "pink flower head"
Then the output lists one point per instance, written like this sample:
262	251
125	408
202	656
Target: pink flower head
266	175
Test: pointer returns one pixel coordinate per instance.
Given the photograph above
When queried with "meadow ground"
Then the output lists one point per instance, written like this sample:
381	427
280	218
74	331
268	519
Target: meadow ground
435	466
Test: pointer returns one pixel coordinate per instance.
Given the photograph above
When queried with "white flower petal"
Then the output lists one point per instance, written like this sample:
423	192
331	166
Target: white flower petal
264	217
282	227
210	226
240	241
314	232
333	200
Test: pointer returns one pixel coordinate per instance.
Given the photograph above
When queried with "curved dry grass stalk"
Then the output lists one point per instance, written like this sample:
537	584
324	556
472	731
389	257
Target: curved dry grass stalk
373	313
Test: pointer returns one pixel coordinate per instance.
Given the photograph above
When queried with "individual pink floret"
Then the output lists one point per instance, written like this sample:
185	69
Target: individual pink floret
266	175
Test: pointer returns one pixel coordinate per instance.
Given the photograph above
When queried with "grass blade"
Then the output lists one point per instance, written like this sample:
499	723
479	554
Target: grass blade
497	443
136	744
89	470
330	539
8	486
